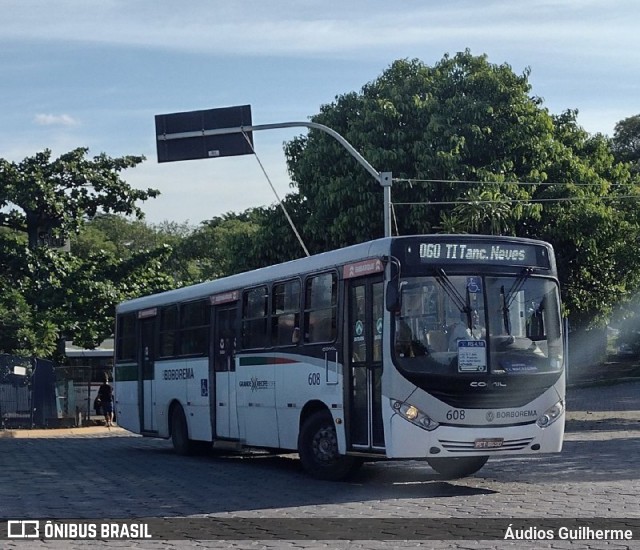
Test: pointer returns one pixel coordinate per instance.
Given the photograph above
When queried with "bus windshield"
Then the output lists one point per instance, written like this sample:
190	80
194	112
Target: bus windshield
479	324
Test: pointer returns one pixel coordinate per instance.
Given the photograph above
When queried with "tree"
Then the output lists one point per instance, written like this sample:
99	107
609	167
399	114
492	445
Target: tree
474	151
46	197
463	120
219	247
46	293
592	220
626	141
483	211
124	238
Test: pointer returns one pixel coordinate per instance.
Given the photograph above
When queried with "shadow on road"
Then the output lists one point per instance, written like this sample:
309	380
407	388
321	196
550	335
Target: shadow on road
57	478
139	477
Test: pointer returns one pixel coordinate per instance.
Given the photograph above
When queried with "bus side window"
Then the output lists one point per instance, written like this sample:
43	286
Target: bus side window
126	337
168	331
254	318
194	328
320	314
285	313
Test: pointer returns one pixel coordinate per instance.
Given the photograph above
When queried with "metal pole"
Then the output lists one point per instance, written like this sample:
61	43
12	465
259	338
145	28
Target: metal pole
383	178
385	181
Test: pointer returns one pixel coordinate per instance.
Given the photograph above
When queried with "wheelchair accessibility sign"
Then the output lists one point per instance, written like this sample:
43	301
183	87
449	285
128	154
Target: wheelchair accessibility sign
474	285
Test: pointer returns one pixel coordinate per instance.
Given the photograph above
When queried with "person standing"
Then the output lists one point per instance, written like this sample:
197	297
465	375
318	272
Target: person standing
105	394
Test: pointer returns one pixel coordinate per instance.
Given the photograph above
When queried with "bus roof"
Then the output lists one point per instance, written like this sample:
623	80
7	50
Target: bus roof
294	268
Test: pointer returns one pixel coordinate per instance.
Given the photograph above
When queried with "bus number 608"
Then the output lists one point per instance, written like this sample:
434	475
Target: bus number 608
455	414
314	379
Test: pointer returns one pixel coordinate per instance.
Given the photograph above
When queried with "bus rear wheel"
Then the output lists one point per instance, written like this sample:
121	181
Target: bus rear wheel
318	449
453	468
180	432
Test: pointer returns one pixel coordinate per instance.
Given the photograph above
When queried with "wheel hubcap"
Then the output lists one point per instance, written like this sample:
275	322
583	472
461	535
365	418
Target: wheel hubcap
325	445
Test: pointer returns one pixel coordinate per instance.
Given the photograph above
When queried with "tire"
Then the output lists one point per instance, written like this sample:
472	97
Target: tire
452	468
180	432
318	449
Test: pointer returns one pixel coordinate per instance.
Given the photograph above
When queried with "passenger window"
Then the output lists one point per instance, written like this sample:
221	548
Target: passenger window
168	331
126	337
285	313
320	315
194	324
254	318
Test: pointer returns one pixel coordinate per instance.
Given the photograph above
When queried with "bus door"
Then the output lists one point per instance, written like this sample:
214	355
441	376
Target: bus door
146	375
365	305
223	403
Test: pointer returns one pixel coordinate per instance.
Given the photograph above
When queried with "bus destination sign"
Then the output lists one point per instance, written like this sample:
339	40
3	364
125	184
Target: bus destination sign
483	252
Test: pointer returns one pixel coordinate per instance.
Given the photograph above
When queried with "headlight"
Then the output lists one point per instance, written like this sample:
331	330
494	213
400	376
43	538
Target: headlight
414	415
551	415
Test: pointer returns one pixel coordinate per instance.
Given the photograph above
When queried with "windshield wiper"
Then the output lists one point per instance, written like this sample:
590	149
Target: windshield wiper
510	296
460	302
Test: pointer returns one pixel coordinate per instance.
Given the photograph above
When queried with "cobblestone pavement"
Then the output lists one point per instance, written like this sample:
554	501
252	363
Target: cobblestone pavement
94	474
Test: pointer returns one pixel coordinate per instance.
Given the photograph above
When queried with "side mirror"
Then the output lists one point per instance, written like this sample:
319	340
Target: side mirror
393	293
394	297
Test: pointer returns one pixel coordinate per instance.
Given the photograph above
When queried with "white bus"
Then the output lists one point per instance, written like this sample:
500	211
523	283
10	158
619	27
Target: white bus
447	348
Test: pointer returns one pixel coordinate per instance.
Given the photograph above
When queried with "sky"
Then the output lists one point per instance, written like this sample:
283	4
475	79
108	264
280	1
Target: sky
81	73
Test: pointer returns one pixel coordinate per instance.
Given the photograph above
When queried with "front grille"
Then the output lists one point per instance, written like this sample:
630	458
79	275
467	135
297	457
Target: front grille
469	446
497	392
488	399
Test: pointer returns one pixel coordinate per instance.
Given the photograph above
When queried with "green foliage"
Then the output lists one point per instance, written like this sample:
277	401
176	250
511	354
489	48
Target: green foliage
47	293
592	220
218	247
626	141
15	333
56	196
470	149
464	133
462	120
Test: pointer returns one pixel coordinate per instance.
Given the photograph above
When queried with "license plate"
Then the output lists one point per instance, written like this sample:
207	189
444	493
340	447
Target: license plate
488	443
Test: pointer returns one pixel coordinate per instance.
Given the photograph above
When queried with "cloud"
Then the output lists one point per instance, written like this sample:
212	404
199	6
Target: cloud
55	120
325	27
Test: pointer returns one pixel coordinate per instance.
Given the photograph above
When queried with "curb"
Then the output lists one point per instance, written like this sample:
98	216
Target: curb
63	432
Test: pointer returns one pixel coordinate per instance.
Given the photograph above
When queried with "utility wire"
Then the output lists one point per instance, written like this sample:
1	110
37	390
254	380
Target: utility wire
515	201
395	218
412	181
277	196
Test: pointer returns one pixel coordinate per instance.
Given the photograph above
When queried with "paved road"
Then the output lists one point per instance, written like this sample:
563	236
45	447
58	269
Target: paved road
95	474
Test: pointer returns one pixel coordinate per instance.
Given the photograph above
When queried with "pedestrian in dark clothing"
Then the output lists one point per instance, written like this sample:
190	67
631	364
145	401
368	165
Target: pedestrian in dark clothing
105	394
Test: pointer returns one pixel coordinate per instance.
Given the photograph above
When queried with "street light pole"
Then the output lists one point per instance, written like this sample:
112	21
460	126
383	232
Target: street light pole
383	178
386	181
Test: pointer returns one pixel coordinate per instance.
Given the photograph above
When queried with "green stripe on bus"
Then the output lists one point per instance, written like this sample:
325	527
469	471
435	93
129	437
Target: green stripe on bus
261	360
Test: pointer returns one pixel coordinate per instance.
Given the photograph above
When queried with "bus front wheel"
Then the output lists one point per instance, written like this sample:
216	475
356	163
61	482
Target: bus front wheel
318	449
180	432
457	467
